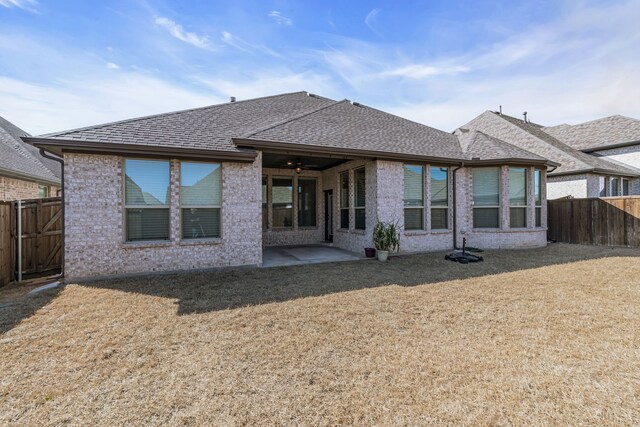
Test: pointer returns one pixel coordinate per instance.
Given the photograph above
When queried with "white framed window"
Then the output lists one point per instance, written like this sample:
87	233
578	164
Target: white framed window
359	204
486	197
517	197
439	176
200	200
413	197
146	200
43	191
537	191
344	200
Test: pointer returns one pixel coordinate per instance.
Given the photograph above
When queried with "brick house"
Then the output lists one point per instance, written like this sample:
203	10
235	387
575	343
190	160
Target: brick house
614	138
210	187
24	173
598	159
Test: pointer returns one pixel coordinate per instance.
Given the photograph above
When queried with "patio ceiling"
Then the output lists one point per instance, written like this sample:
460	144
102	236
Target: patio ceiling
280	160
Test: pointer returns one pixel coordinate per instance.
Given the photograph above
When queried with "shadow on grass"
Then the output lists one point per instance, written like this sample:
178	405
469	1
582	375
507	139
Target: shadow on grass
226	289
16	304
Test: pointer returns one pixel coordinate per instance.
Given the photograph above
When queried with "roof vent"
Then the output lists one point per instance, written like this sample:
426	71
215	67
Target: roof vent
525	117
500	109
233	99
475	158
357	104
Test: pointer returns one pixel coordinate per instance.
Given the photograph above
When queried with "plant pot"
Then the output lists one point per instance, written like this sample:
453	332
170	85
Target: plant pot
383	255
369	252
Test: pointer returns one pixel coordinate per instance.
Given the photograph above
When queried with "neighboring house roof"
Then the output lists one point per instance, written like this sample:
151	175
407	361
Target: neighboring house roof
295	121
598	134
532	137
23	160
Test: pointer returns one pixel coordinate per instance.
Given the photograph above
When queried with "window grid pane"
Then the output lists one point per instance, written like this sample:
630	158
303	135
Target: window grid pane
307	202
486	186
537	187
282	195
439	218
439	186
344	189
200	184
344	218
147	224
360	187
615	187
538	217
146	182
517	186
265	215
518	217
360	219
413	186
413	218
486	218
199	223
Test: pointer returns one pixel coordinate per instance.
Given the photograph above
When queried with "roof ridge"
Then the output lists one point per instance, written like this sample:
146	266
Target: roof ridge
170	113
291	119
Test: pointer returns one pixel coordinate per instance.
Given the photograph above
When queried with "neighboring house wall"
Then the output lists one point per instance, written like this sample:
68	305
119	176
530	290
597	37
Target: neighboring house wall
94	223
567	185
18	189
627	155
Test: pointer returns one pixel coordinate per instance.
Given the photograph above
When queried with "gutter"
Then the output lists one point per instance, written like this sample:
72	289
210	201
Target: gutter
610	146
455	221
63	192
26	177
58	146
596	171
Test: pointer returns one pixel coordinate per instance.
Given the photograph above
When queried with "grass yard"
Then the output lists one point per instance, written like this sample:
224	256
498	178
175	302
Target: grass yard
536	337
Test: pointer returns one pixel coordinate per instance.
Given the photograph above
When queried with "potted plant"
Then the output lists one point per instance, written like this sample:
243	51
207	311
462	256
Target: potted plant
369	252
385	238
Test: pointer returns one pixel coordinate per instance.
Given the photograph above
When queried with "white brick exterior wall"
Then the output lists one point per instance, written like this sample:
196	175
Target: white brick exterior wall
94	231
18	189
94	226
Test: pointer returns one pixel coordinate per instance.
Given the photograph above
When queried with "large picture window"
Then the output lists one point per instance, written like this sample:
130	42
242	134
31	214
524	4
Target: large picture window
537	188
146	199
200	199
439	198
517	197
413	197
307	202
282	202
344	200
360	198
486	197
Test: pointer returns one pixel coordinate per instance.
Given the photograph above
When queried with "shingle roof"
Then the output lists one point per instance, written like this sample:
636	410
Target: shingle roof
479	145
296	118
531	137
207	128
599	133
348	125
24	160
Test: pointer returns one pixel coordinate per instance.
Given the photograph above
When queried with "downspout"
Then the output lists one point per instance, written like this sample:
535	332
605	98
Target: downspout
455	220
61	161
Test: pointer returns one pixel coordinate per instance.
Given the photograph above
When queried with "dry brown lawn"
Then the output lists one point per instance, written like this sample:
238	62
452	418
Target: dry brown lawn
536	337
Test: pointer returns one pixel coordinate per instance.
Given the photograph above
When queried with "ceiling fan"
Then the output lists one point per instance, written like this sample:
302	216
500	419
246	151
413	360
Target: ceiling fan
298	166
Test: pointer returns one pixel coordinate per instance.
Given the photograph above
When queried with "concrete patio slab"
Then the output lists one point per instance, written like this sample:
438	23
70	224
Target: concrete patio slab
278	256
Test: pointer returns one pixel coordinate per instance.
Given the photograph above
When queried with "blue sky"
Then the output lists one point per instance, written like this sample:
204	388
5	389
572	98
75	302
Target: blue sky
65	64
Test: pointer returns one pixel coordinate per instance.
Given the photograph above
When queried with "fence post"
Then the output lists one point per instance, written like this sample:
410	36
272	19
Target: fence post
19	237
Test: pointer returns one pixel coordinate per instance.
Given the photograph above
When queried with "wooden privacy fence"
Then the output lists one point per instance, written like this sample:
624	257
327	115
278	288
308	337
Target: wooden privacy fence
610	221
41	238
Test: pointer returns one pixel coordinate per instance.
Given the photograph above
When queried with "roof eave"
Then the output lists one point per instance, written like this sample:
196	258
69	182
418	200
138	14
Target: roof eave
596	171
61	146
27	177
610	146
358	153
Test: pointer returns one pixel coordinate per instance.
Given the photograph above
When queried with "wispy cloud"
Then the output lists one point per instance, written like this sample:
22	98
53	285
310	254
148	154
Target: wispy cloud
370	19
280	19
178	32
112	66
28	5
245	46
418	71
